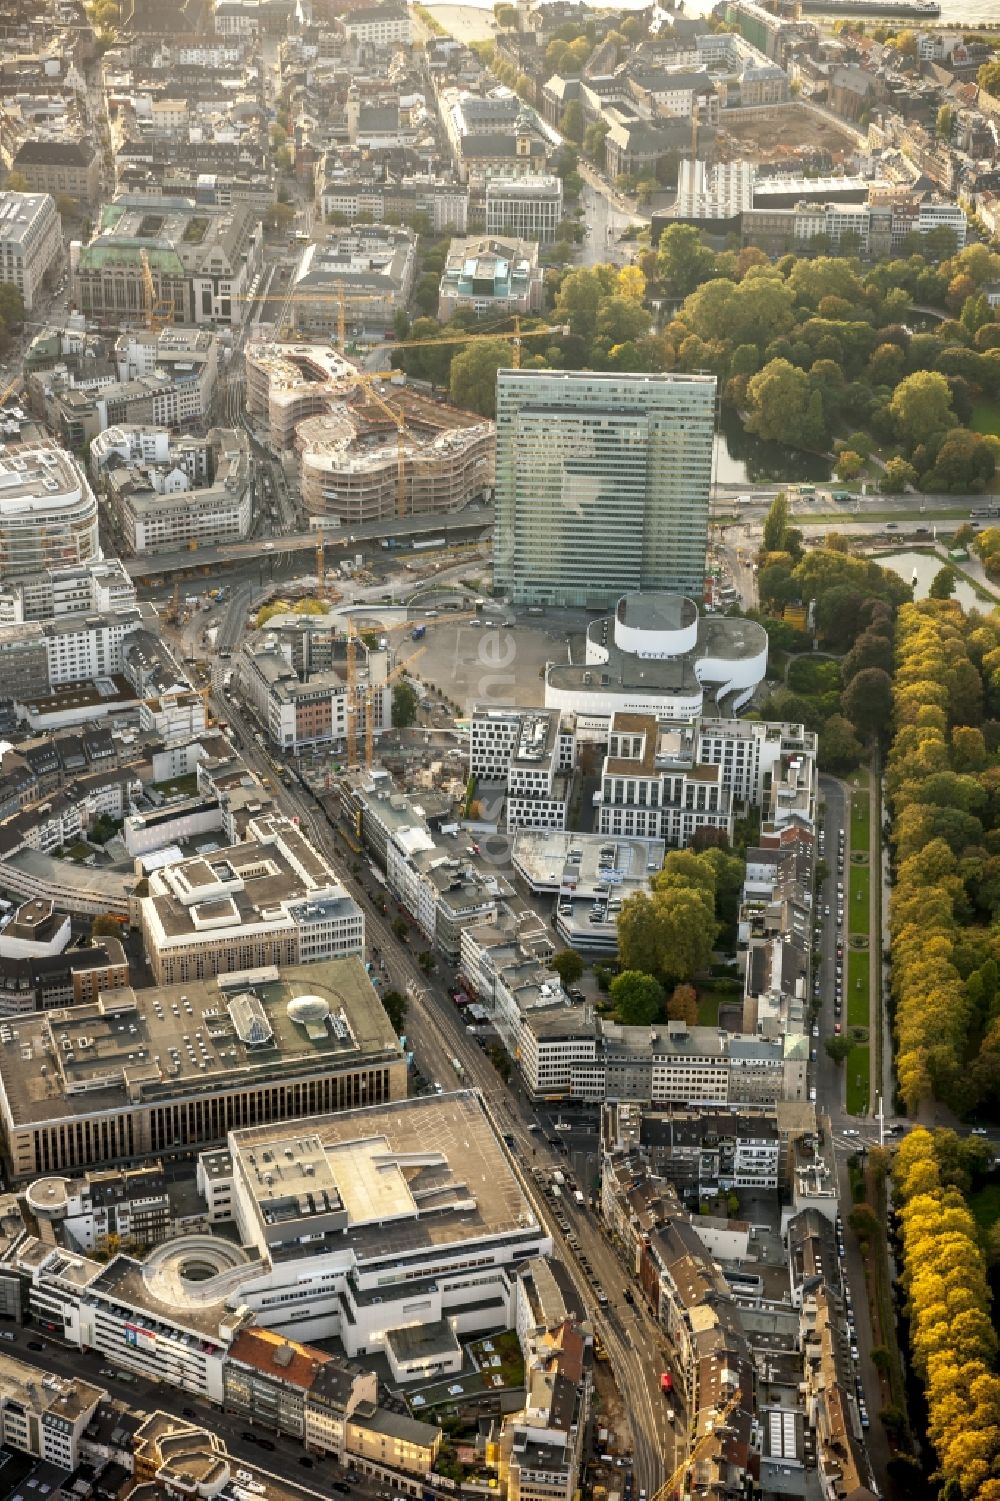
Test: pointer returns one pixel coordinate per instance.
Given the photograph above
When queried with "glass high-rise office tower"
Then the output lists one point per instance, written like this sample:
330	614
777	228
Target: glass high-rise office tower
602	484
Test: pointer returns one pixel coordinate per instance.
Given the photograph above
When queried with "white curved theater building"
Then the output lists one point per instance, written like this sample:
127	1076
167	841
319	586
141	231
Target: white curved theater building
656	655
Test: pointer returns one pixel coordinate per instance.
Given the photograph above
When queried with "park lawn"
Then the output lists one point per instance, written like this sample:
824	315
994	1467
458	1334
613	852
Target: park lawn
986	418
858	907
857	998
985	1205
857	1064
860	823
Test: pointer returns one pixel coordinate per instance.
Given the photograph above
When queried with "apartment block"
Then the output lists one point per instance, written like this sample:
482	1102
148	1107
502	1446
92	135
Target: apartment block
168	493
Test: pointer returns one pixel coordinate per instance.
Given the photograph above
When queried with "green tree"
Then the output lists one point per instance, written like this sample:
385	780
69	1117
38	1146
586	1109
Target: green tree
473	380
16	182
683	260
898	474
863	1221
838	1047
572	122
395	1009
568	966
867	701
945	122
921	406
404	705
669	932
778	398
942	584
506	16
11	304
849	464
839	747
638	998
988	78
776	524
593	140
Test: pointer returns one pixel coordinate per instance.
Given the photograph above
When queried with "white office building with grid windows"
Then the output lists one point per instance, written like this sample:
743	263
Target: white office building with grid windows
602	484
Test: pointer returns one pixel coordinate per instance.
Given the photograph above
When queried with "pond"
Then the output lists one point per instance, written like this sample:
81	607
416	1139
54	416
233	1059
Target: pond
925	565
742	459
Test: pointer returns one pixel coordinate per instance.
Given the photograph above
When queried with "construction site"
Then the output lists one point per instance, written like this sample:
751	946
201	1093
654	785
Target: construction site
790	134
367	448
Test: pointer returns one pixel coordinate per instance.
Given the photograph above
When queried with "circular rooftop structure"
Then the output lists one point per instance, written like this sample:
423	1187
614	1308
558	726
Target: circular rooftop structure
308	1010
47	1197
194	1270
656	624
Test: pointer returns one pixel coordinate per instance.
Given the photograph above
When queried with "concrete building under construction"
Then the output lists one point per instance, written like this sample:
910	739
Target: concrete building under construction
356	465
366	449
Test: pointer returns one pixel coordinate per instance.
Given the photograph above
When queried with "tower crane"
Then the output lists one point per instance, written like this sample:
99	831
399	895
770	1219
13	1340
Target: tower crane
159	311
666	1488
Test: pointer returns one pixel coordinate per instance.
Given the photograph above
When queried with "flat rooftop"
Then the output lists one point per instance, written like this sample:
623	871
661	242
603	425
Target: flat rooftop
411	1176
40	1393
261	881
171	1041
720	637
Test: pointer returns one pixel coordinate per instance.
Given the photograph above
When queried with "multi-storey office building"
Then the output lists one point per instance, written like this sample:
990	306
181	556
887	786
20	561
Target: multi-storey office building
30	241
602	484
157	1072
271	899
530	208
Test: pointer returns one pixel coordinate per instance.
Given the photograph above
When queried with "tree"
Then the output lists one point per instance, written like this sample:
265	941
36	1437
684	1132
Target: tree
638	998
11	304
632	284
395	1009
867	701
988	78
568	966
945	123
473	380
593	141
683	1004
16	182
863	1221
921	406
897	476
105	926
942	584
779	398
683	261
572	123
776	524
505	16
838	1047
669	932
404	705
839	747
849	464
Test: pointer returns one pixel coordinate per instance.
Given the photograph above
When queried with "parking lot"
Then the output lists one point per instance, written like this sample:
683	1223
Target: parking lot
482	663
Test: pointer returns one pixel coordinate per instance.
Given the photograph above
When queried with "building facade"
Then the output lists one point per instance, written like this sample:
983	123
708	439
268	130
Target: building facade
30	242
602	484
